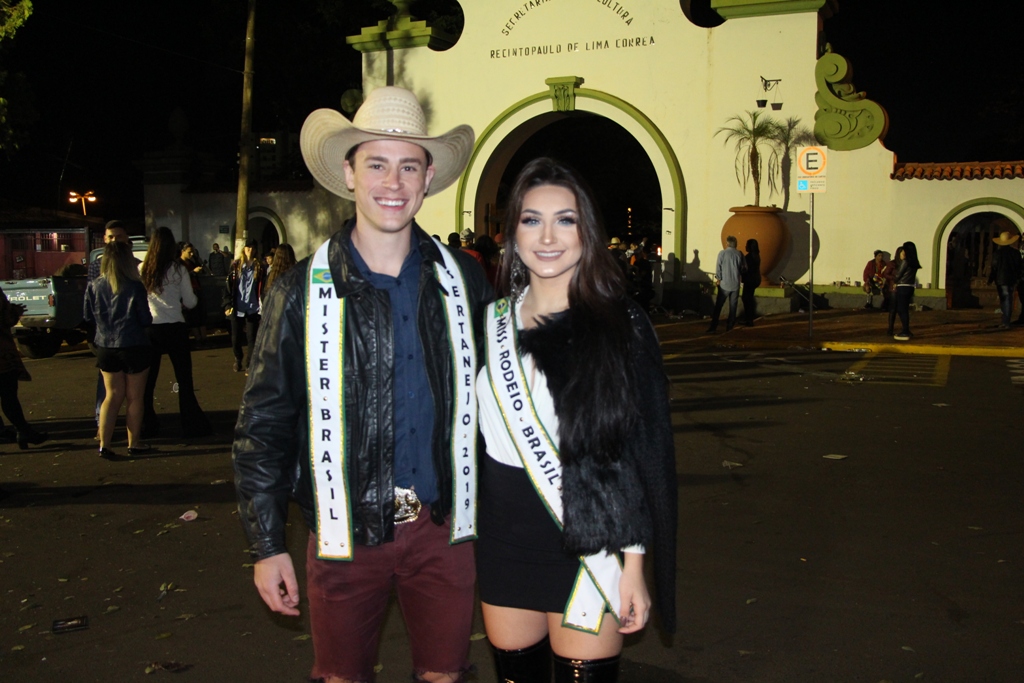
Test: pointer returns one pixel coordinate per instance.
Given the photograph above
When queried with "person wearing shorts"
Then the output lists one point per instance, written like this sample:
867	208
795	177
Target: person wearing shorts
131	360
117	303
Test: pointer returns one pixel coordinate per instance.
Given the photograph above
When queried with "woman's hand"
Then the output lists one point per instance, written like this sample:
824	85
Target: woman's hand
636	601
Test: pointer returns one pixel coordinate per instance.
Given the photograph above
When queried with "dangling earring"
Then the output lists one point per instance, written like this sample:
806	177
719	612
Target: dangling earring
517	280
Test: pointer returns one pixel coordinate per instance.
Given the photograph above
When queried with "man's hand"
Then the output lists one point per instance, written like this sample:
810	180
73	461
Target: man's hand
228	311
271	573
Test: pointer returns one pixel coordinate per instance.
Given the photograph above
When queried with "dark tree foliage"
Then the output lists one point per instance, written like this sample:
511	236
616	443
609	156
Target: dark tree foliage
16	108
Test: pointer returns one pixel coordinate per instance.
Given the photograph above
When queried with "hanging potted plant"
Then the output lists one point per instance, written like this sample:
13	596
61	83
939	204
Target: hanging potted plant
755	138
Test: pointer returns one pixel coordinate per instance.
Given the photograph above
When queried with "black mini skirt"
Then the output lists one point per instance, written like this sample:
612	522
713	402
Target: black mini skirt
520	560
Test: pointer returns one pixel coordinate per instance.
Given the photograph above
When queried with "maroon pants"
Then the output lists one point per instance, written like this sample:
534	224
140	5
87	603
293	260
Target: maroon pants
434	585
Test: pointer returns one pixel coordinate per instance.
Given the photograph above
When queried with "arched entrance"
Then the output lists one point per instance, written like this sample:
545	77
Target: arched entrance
266	227
619	171
961	252
500	141
969	254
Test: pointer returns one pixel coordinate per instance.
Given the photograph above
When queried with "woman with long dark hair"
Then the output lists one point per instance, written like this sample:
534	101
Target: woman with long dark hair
578	482
905	281
284	259
118	305
170	291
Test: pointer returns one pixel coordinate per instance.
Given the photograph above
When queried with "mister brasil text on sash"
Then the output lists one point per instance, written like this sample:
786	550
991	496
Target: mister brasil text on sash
325	344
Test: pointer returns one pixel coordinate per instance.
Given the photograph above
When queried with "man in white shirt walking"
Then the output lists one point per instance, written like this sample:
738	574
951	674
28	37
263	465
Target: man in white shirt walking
728	276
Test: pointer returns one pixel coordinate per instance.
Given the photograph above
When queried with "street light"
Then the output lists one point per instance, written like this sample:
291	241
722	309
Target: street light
74	198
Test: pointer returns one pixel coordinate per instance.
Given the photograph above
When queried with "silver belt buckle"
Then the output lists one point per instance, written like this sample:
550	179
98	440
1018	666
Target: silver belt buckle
407	505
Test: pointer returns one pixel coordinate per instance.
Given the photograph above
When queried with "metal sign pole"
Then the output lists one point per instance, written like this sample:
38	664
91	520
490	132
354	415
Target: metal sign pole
811	163
810	275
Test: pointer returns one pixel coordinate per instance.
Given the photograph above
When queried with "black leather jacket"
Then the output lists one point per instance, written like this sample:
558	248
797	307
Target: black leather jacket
271	452
905	274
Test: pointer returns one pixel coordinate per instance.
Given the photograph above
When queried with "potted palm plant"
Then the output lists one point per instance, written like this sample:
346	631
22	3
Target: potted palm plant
789	136
755	139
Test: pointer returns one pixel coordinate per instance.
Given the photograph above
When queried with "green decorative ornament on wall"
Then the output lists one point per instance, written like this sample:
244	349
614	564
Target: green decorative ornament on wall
846	119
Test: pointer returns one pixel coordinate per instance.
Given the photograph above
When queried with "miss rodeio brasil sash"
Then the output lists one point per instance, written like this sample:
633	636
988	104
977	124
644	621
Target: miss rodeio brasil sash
325	344
597	582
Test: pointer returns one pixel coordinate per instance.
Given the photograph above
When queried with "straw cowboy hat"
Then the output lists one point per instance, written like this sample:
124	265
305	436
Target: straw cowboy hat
389	113
1005	238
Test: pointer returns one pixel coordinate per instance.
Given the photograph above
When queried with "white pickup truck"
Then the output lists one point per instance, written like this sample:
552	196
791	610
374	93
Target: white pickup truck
54	307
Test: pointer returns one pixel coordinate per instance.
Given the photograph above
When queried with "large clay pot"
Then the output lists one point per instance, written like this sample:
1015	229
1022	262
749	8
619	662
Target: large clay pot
764	224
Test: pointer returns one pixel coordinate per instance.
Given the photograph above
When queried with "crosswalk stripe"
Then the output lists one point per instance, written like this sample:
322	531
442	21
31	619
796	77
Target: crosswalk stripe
884	368
1016	367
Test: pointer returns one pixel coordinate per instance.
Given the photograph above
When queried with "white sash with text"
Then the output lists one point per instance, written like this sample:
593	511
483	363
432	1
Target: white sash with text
325	344
597	583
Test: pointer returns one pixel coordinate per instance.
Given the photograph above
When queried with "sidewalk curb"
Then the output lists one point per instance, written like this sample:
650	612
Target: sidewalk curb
927	349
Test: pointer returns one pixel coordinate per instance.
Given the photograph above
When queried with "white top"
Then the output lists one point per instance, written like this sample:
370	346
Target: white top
177	292
500	446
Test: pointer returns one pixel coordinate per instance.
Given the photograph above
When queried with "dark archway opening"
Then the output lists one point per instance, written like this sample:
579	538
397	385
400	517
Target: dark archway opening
621	175
263	231
699	13
969	252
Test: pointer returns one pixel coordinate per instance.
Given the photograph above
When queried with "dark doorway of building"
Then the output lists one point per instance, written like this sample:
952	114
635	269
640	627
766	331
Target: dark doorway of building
264	232
617	168
969	251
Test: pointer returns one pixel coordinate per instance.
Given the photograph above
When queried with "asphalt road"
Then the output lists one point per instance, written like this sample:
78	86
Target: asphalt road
900	562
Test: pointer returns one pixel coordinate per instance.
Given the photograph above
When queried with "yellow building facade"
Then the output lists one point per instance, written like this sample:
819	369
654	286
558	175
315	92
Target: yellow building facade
519	67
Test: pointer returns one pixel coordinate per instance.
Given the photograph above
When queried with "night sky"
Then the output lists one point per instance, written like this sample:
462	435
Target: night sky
104	76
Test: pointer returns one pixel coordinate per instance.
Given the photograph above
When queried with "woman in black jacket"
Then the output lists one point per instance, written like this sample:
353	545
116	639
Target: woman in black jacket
905	281
578	483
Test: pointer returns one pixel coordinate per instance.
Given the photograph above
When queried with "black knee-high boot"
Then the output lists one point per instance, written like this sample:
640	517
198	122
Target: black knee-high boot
528	665
586	670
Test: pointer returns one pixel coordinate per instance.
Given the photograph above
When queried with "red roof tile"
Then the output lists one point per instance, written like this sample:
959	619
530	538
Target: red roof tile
970	170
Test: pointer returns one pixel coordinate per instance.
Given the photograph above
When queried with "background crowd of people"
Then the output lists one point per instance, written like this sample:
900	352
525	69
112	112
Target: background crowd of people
139	312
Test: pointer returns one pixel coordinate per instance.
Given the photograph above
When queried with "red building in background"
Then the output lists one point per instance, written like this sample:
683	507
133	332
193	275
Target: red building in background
36	243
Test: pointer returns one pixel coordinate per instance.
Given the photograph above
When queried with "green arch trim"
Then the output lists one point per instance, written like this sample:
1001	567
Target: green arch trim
952	213
272	215
660	141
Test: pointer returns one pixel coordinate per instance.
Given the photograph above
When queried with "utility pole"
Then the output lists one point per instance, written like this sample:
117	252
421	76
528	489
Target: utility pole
245	142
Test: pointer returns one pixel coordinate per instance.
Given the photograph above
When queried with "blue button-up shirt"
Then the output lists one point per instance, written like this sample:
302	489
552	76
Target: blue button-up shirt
414	404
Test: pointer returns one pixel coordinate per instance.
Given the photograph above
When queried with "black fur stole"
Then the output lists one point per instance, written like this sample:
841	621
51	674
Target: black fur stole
589	362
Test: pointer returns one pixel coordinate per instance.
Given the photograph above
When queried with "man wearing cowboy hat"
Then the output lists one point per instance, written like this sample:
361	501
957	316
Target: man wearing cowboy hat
1005	273
360	404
